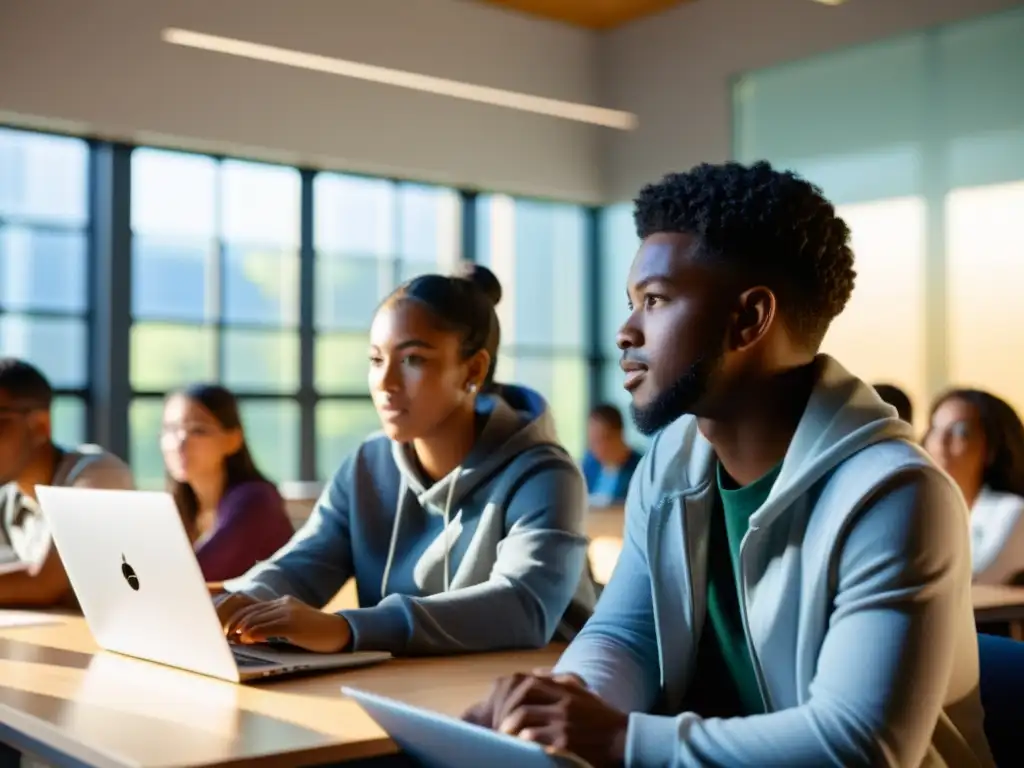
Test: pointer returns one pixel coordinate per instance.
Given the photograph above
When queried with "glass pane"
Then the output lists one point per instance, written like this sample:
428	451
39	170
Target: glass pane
619	245
56	346
164	357
349	288
43	177
144	420
851	121
261	286
261	360
42	270
985	244
260	203
881	333
174	194
340	427
354	215
68	420
538	251
272	431
429	218
171	278
562	381
982	108
341	363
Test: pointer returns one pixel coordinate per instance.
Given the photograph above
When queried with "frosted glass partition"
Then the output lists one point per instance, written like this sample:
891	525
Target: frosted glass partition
919	140
986	266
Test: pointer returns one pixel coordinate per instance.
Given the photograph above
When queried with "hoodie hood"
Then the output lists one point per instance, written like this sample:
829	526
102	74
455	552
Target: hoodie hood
518	419
843	416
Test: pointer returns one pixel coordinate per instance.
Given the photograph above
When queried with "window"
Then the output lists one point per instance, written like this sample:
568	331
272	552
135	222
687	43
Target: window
44	223
370	235
539	251
619	245
215	297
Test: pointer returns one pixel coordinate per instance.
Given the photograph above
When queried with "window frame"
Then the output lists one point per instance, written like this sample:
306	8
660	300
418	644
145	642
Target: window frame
107	393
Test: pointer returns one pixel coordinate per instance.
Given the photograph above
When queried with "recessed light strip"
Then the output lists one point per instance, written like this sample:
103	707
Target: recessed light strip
498	97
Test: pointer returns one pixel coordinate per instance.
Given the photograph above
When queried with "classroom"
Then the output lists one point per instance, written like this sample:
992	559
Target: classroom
446	383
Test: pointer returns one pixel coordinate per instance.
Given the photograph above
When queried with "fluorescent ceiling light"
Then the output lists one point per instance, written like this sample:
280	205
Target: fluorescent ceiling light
830	2
524	102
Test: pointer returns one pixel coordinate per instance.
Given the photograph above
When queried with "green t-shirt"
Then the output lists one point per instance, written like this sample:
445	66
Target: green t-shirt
728	526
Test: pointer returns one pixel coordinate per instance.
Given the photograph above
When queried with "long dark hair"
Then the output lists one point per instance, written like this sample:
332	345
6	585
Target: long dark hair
1004	438
464	304
239	467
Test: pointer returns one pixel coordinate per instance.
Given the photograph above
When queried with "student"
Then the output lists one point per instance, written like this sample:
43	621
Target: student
898	399
979	440
462	523
33	575
609	461
794	586
234	516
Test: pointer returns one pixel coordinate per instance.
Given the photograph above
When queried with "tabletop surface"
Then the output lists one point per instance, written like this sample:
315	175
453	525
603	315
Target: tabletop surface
58	688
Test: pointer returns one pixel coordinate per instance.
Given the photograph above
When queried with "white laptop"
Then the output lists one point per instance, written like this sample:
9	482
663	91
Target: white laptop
437	741
142	593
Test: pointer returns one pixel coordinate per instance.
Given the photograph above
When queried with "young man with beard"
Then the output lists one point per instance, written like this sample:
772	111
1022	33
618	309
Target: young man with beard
31	572
794	585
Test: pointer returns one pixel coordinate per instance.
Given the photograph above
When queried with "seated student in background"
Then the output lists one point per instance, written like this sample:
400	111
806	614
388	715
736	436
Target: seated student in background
609	461
979	440
33	574
234	516
898	399
794	586
462	523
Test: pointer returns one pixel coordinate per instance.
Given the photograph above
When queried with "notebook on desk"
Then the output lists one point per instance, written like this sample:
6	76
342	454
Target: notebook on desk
438	741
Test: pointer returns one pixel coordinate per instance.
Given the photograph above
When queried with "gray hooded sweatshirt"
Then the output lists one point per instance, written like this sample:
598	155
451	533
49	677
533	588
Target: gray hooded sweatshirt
489	557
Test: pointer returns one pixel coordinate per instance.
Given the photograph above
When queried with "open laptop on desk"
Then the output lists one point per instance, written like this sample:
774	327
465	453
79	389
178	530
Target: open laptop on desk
437	741
142	593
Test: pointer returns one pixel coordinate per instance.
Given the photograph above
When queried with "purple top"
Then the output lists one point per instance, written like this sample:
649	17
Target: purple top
251	525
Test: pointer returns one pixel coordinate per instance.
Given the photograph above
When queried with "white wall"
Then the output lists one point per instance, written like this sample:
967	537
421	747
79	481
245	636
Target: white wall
675	70
99	67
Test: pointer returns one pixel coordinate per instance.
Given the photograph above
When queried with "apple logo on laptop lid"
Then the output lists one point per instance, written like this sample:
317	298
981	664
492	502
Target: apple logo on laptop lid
129	574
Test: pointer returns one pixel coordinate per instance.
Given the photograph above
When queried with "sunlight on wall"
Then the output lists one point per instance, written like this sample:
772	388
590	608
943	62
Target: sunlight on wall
880	334
986	266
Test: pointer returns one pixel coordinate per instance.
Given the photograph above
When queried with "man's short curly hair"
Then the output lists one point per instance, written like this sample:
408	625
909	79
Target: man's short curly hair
773	224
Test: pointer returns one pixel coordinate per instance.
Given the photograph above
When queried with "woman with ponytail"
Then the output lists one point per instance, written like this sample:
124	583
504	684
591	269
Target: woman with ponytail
462	522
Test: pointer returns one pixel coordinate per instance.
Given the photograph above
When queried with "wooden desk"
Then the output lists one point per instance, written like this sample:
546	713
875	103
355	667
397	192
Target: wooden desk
604	528
999	604
63	699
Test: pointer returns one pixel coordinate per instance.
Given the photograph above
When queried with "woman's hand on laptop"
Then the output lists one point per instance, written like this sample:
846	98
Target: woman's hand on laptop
246	620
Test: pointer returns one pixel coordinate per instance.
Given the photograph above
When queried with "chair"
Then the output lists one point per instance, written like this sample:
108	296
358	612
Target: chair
1002	686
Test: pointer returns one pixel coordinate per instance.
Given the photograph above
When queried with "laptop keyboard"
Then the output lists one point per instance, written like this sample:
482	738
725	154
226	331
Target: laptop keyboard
244	660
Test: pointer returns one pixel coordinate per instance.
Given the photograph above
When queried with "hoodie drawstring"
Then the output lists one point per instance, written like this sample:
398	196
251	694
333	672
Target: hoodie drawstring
447	520
403	488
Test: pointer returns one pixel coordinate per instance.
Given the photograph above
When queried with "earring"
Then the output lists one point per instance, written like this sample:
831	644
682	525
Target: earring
472	388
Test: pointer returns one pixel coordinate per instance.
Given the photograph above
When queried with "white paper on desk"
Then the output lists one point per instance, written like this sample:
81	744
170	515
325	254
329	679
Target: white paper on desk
10	619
